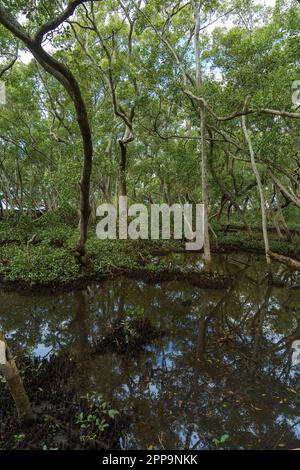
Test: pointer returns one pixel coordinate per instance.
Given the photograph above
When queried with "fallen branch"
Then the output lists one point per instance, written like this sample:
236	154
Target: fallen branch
290	262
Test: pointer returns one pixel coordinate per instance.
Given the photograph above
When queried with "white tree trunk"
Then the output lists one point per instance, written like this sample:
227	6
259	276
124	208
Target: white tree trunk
260	190
204	163
205	197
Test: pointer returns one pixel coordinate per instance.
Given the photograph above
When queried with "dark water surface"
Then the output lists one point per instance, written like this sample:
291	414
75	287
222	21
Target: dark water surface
223	368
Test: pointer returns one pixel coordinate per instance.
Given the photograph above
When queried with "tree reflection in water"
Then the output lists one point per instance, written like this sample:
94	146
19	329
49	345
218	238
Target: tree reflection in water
223	367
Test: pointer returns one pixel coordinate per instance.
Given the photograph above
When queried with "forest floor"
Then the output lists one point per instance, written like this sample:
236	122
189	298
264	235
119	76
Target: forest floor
49	262
64	418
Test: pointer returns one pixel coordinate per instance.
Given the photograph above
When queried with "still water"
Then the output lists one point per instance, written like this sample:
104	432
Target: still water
221	375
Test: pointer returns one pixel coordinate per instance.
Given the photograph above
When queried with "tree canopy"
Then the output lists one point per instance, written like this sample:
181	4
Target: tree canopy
153	93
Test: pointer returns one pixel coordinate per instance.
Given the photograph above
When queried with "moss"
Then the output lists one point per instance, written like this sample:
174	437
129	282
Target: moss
46	265
15	229
52	264
19	230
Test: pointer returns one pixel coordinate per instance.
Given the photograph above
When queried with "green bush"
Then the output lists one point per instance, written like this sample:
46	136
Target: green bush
46	265
15	228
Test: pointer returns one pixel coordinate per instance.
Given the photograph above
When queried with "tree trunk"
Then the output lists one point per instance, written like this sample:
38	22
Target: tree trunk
205	197
12	376
204	161
63	74
261	192
123	165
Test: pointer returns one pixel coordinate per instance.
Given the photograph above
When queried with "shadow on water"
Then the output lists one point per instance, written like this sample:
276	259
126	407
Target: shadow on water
223	368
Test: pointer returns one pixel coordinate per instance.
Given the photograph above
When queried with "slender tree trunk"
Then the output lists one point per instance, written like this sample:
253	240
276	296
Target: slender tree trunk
261	192
205	196
85	208
204	161
12	376
123	166
166	192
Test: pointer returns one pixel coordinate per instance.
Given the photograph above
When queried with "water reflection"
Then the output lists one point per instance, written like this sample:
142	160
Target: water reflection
224	366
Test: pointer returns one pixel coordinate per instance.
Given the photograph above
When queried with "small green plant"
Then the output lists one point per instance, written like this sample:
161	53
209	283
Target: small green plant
89	421
19	437
95	420
131	314
219	442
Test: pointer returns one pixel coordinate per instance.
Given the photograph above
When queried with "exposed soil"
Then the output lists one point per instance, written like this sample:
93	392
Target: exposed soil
202	280
56	403
57	407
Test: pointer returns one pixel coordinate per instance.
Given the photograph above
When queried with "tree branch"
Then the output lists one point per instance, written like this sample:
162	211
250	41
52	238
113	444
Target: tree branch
11	64
244	112
51	25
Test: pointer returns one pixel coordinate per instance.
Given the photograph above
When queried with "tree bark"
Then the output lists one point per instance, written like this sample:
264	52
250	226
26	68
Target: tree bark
204	161
260	190
205	196
123	166
12	376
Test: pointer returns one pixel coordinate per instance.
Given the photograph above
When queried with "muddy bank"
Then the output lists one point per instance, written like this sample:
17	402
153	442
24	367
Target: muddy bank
198	279
64	419
242	228
238	241
128	336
